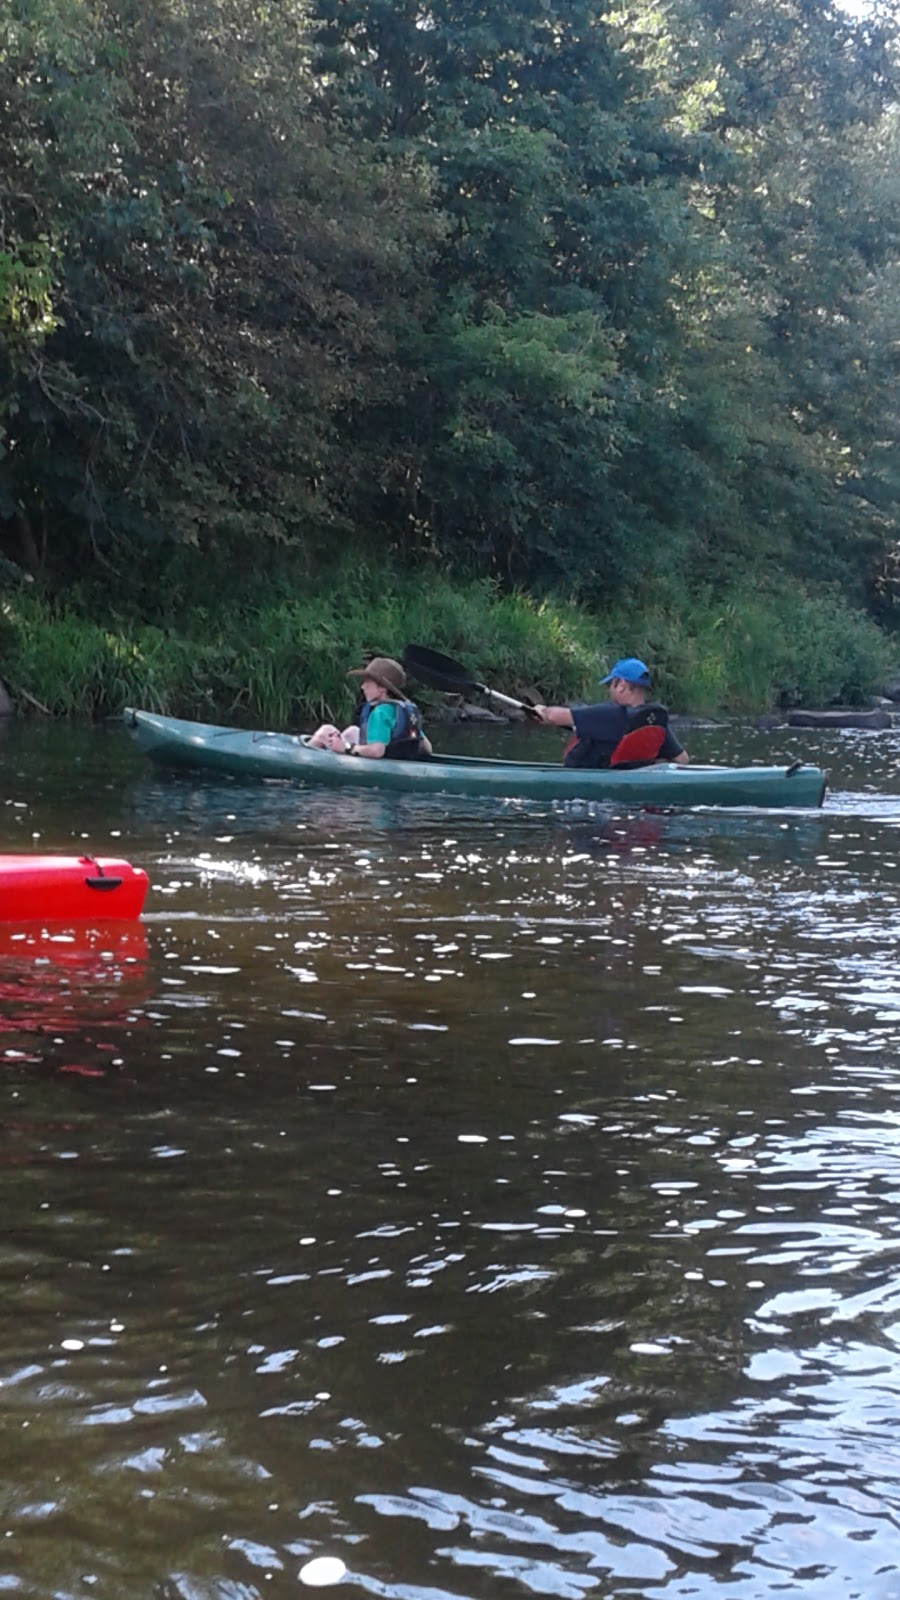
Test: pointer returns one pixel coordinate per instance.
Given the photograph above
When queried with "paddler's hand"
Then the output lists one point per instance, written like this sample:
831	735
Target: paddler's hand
555	716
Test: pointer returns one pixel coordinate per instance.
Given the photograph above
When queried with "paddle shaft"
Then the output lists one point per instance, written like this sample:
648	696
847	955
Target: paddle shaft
502	699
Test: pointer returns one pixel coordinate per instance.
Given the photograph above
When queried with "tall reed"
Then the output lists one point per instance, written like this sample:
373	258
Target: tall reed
283	662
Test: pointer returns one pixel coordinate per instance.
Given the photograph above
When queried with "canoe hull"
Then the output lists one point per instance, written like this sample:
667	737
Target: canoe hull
70	889
200	745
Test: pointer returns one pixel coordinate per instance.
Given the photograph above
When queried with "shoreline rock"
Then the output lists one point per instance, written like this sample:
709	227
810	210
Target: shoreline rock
848	718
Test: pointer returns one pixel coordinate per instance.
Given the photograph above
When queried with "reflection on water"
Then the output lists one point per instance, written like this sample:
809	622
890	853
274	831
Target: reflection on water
501	1202
70	982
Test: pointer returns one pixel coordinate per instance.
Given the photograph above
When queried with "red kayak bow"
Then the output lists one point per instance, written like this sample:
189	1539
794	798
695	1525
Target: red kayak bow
70	889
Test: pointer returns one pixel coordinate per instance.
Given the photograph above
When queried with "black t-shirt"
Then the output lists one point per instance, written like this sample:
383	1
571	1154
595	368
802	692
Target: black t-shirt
599	729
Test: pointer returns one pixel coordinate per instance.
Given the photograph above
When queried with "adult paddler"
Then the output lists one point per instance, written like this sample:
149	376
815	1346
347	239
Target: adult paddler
600	729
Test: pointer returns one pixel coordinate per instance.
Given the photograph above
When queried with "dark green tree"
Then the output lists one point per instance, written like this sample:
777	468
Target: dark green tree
192	284
541	365
793	101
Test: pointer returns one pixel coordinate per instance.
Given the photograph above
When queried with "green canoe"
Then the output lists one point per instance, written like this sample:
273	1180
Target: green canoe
281	755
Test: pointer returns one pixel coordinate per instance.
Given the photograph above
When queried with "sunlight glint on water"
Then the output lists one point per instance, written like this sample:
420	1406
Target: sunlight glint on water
489	1201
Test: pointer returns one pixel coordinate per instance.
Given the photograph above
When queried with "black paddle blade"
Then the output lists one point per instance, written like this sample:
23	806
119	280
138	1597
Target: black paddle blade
437	670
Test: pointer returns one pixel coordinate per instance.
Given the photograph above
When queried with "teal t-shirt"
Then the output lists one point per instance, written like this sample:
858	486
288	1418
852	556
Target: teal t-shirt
380	726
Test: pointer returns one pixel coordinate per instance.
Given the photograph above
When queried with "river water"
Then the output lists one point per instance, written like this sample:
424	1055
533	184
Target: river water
502	1201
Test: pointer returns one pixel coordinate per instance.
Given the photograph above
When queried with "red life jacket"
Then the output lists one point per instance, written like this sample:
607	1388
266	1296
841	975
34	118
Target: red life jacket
643	742
638	749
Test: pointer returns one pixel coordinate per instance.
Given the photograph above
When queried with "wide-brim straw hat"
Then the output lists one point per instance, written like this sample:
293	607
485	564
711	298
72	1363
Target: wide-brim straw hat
385	671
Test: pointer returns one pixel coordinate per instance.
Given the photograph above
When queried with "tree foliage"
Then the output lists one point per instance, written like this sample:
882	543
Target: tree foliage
595	300
796	102
194	273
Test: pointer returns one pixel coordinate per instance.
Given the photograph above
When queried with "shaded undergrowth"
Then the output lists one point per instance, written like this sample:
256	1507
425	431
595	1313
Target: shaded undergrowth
282	663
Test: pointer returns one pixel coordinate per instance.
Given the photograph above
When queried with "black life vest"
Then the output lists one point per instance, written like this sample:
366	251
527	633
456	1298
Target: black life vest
647	728
406	740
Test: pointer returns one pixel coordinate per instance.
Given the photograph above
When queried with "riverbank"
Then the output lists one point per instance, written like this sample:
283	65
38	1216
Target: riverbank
283	662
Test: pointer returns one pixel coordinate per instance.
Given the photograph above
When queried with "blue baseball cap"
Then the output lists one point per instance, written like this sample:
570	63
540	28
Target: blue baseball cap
632	670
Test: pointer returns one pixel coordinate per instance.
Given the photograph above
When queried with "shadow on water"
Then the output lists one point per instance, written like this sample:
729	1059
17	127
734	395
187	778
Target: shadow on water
503	1202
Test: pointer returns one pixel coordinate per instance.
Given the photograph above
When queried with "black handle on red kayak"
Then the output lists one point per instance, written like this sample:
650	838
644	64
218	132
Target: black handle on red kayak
102	881
451	677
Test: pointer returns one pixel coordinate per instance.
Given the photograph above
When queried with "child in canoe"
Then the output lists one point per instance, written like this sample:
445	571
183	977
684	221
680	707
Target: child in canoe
389	724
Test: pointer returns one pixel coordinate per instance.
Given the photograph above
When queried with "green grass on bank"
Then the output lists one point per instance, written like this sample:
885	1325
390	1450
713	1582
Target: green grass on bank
283	664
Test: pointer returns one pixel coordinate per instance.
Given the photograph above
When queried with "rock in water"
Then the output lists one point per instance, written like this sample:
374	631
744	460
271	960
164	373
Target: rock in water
840	719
